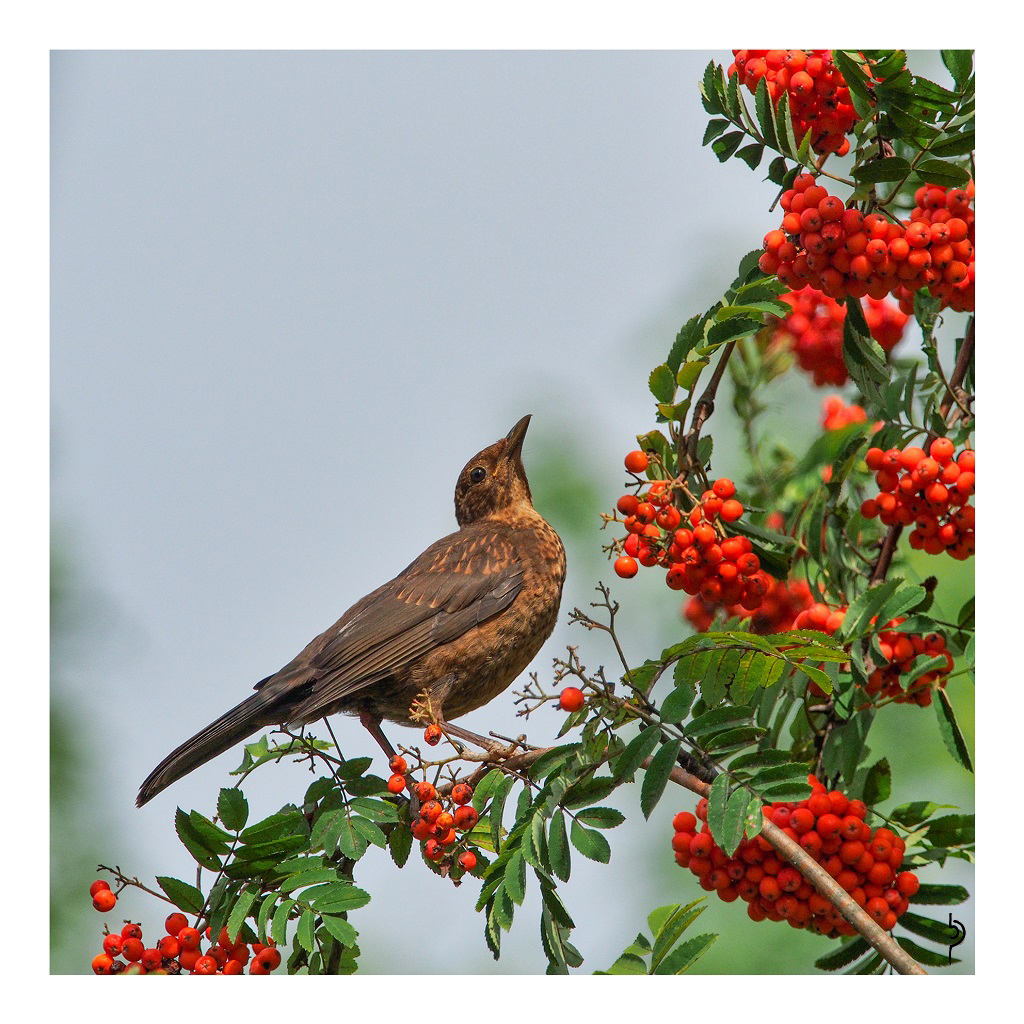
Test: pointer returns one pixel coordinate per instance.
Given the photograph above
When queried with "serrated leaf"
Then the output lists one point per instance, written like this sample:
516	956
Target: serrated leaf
662	383
724	146
374	809
952	736
336	897
279	926
942	172
717	720
600	817
400	845
184	896
558	846
588	791
846	954
239	911
590	843
865	607
194	842
686	954
939	895
689	373
304	933
340	929
878	783
928	957
656	776
628	963
959	63
890	168
232	809
636	751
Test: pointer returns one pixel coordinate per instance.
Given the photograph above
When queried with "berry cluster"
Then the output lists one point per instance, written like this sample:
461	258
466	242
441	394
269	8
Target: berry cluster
929	491
782	602
841	251
819	99
899	651
836	414
440	821
180	951
700	559
952	208
829	827
814	331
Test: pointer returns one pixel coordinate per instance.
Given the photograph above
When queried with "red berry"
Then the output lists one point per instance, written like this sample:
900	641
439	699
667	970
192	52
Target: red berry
102	964
626	567
396	783
432	735
104	901
467	860
636	462
571	699
98	886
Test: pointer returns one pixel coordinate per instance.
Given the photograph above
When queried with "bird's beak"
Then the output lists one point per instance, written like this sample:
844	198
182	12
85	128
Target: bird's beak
515	439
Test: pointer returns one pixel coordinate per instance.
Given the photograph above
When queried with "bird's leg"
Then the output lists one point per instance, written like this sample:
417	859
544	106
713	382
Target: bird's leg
371	723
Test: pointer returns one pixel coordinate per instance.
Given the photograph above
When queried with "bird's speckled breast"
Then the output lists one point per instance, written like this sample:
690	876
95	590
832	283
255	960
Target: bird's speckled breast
473	669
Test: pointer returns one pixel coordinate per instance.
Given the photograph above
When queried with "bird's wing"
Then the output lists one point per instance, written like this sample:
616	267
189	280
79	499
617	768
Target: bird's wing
458	582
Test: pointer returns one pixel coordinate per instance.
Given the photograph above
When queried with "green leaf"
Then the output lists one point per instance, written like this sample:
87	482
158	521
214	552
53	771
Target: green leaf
689	337
751	155
715	127
765	113
194	842
686	954
662	383
515	877
600	817
960	64
628	963
928	928
952	830
950	730
590	843
911	815
340	929
656	776
279	926
232	809
717	720
846	954
636	751
375	810
400	845
942	172
928	957
304	933
339	896
865	607
878	784
184	896
588	791
890	168
689	373
724	146
239	911
558	846
940	895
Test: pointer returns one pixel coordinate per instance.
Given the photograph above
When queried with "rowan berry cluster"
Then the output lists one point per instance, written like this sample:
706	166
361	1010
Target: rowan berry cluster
819	99
899	651
950	207
700	558
930	491
440	821
841	251
180	951
832	830
814	332
836	414
782	602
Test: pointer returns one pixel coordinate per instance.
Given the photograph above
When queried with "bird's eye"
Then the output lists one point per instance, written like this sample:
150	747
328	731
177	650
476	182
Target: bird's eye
477	474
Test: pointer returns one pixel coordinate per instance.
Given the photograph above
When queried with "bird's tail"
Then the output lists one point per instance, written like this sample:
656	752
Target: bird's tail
235	725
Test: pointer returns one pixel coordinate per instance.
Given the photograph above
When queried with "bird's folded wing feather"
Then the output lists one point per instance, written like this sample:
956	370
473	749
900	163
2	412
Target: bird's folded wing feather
460	581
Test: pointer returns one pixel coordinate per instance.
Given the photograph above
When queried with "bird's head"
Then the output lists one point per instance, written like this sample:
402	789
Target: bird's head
494	481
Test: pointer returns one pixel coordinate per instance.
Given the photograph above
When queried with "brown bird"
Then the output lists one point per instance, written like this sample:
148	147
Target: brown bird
446	635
